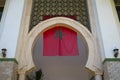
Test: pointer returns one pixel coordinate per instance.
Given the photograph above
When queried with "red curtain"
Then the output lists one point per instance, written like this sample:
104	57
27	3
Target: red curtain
60	41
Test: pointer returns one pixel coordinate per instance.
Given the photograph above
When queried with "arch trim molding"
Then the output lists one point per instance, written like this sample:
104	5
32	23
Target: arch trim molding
26	62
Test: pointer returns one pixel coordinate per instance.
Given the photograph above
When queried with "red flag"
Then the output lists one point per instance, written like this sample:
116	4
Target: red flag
60	41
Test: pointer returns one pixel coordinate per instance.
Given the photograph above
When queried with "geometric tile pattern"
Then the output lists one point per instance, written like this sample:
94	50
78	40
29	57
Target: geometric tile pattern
112	70
77	8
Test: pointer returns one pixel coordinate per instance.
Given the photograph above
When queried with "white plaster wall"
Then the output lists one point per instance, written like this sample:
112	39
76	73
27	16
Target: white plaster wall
108	26
11	25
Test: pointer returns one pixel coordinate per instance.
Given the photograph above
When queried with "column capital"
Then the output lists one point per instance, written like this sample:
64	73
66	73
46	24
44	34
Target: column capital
98	73
21	72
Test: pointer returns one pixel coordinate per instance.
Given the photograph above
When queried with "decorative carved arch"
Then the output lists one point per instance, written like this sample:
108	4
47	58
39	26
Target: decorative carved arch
27	63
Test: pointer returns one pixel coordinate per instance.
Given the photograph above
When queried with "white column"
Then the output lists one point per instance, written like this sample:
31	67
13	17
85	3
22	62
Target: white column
98	77
22	75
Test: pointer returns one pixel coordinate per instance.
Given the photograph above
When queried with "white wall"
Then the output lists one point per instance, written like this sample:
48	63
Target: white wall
11	21
109	27
10	26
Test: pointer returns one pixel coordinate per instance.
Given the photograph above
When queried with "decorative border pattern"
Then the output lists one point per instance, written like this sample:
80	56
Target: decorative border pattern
59	8
111	59
9	59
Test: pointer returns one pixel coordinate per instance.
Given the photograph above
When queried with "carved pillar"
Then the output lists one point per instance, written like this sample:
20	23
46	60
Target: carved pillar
112	69
8	69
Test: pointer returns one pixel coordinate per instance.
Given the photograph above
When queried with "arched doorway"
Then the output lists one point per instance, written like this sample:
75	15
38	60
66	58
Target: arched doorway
61	66
26	63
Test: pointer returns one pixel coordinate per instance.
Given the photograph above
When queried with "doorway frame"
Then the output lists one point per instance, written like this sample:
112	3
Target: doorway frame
28	39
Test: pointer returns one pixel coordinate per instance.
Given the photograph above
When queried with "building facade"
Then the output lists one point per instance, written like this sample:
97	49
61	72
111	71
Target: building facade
24	22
